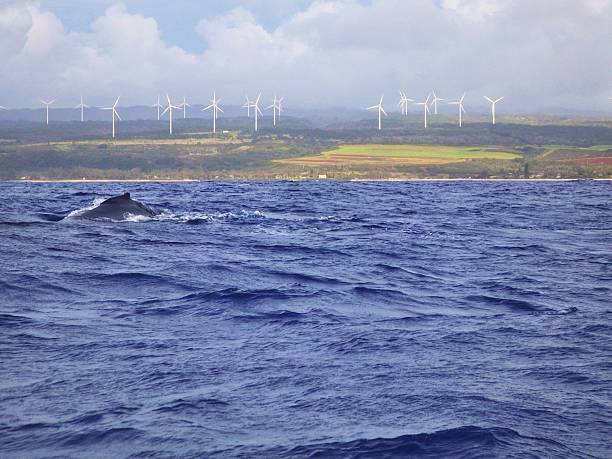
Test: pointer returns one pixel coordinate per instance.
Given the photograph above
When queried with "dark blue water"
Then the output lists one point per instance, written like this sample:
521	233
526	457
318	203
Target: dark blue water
465	319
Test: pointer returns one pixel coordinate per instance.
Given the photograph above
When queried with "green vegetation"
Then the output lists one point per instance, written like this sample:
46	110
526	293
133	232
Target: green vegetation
298	151
393	155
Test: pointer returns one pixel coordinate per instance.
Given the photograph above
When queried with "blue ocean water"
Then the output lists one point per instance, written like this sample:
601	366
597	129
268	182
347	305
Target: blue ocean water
316	319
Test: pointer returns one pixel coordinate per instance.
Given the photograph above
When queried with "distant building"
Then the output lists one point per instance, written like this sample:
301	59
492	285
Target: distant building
322	176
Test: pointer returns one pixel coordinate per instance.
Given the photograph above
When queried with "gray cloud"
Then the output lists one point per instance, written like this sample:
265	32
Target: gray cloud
549	53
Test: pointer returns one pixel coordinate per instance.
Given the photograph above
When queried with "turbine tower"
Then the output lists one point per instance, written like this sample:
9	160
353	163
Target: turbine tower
493	103
381	111
114	112
434	102
403	103
276	106
215	108
459	103
248	104
159	106
184	106
425	108
47	104
256	109
169	109
82	106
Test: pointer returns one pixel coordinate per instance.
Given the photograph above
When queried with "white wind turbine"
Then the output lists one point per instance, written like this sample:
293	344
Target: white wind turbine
434	102
159	106
493	103
425	108
256	109
459	103
169	109
114	113
82	106
47	105
184	106
276	106
215	108
248	104
403	103
381	111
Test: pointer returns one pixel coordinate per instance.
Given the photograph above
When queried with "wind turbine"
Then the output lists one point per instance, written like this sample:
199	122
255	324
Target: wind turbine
159	106
3	108
82	106
47	105
493	102
248	104
276	105
169	108
434	102
257	110
114	112
215	108
184	105
459	103
403	103
381	111
425	108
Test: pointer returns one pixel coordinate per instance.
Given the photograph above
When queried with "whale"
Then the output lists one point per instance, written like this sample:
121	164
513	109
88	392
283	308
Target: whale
118	208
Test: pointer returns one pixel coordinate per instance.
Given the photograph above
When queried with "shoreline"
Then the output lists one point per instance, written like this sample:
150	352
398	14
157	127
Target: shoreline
309	180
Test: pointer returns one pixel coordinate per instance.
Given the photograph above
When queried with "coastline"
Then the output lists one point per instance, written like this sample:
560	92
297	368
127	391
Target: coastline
311	180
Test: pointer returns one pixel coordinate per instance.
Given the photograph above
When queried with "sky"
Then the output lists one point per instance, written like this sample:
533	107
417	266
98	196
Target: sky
540	54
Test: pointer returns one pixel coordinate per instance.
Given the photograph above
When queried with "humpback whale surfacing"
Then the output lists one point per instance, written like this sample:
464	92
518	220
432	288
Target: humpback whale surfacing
119	208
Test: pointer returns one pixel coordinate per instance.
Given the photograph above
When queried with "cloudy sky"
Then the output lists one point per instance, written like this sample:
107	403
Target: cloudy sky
538	53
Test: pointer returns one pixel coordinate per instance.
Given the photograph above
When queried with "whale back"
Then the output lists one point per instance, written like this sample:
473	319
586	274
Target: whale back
118	207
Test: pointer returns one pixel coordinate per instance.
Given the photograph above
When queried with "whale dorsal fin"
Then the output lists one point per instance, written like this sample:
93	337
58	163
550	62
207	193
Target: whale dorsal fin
120	198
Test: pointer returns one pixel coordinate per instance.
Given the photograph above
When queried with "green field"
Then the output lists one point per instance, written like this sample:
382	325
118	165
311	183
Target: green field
393	155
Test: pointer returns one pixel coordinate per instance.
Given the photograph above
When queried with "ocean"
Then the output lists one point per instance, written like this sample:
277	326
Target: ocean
307	319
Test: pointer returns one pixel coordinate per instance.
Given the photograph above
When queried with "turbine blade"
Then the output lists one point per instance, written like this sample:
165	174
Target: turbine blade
501	98
164	112
383	110
117	101
219	109
208	108
488	99
117	114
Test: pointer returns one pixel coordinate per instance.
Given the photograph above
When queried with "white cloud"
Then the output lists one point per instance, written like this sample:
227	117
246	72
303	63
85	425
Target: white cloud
334	52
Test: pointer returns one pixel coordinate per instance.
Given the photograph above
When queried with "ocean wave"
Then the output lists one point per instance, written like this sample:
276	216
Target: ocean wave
193	404
509	304
462	442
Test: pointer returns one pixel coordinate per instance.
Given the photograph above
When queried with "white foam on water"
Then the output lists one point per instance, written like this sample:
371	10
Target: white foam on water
209	217
75	213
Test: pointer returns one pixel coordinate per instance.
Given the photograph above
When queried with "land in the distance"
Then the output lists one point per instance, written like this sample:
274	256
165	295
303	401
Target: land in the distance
300	149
